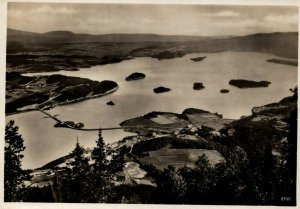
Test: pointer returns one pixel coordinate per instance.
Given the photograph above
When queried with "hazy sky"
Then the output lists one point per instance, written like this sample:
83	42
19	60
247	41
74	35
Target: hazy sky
202	20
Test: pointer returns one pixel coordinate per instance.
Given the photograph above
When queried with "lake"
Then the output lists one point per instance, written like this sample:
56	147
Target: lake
45	143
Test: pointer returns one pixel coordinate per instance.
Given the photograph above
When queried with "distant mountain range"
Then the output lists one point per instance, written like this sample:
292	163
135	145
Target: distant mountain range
284	44
68	36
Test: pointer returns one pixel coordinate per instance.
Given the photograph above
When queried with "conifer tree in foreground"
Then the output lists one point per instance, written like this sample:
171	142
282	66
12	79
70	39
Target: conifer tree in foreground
105	172
98	154
80	164
75	186
94	182
99	175
13	173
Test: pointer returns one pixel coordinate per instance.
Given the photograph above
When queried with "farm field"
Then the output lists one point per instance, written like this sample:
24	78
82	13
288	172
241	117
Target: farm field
178	158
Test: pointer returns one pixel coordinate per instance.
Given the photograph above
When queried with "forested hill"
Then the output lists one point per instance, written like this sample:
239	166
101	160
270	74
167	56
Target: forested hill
70	37
281	43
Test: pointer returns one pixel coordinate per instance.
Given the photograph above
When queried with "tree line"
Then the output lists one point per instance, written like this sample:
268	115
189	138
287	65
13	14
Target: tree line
84	179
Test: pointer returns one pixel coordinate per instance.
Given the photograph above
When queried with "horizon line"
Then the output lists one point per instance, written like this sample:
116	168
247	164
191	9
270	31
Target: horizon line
207	36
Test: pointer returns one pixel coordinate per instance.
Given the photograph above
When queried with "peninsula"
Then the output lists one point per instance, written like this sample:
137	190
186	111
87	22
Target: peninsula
24	93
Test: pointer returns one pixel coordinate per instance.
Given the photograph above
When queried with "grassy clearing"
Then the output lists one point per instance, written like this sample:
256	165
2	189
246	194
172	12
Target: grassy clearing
208	120
166	156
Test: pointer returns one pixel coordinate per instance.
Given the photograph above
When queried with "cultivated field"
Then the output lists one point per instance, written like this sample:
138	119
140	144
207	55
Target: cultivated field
178	158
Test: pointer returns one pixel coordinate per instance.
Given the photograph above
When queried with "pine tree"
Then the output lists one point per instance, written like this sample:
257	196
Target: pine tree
117	161
13	173
80	164
75	185
98	154
100	176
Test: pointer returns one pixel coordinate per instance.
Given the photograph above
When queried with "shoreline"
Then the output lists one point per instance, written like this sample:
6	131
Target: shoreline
277	59
66	103
85	98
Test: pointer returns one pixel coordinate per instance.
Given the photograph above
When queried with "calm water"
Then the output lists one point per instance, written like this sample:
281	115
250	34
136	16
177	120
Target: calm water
135	98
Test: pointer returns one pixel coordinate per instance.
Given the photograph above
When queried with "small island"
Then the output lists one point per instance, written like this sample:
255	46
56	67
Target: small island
224	91
135	76
241	83
161	89
198	59
111	103
198	86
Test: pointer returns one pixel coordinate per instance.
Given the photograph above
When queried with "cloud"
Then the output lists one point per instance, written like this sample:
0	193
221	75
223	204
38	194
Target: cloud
65	10
227	13
237	24
188	20
15	13
45	9
282	19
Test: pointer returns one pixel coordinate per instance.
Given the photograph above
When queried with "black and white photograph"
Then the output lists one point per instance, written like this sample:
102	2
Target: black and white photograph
150	103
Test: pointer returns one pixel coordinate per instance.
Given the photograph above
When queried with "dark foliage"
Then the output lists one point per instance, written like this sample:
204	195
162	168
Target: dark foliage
74	186
151	145
17	78
13	173
204	132
34	98
91	183
37	194
137	193
176	143
204	184
288	175
193	111
99	154
83	84
191	144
